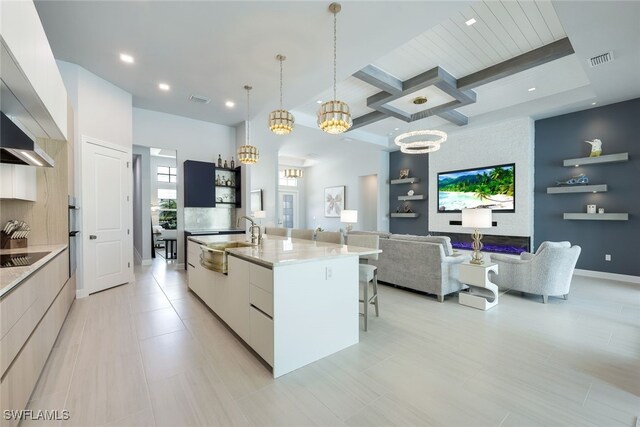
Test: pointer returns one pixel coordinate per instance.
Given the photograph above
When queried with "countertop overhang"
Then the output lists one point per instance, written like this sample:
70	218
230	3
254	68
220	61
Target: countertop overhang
275	251
12	276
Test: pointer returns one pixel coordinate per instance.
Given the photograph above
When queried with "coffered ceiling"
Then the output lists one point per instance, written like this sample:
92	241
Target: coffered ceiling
214	48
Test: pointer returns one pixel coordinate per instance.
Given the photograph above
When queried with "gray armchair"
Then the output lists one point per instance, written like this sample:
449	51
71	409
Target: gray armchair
547	272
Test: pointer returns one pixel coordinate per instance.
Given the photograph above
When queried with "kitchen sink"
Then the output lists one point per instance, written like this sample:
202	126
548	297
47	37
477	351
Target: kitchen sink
215	256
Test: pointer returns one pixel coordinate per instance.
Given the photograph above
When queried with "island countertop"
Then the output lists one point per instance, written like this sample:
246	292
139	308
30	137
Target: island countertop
277	251
12	276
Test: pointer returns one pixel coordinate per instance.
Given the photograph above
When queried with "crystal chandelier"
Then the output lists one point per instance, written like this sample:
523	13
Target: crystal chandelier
293	173
420	146
281	122
334	116
248	154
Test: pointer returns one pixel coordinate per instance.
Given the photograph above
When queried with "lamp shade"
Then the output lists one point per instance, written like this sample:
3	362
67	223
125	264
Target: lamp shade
260	214
349	217
476	218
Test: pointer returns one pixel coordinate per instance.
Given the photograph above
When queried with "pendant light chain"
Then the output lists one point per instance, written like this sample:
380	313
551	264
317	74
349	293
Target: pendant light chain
281	84
281	121
248	88
248	154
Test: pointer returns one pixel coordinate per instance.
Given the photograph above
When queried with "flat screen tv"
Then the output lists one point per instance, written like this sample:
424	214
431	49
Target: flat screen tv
492	187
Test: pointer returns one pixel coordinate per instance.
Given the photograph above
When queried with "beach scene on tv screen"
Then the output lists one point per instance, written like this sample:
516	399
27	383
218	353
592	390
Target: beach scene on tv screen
492	188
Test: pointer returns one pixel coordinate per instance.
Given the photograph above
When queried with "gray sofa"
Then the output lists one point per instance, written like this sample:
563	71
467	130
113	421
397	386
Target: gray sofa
423	263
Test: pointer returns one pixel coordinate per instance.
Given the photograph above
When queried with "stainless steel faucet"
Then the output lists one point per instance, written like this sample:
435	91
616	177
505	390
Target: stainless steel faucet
254	239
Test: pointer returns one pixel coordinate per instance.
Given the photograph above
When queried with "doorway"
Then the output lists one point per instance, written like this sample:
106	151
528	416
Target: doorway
288	209
368	202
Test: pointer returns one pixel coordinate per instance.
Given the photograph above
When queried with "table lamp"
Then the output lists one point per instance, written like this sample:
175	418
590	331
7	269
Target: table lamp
476	218
349	218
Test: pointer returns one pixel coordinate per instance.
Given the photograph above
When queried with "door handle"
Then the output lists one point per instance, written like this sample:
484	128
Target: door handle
92	237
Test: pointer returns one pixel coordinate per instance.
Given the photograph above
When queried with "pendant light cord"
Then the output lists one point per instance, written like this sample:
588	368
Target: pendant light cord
248	88
335	56
281	84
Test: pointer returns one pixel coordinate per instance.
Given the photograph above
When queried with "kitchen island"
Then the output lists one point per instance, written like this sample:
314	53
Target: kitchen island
292	301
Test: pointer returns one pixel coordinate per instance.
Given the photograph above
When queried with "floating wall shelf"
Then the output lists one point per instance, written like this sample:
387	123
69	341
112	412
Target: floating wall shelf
578	189
598	217
608	158
405	215
416	197
405	181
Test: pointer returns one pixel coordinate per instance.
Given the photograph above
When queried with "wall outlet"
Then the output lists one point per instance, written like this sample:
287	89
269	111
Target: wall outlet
328	273
607	257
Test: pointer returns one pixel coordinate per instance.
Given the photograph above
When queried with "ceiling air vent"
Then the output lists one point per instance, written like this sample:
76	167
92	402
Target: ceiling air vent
603	58
199	99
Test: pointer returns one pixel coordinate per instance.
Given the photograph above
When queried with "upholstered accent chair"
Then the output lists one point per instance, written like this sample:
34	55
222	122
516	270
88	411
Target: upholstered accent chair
548	272
299	233
276	231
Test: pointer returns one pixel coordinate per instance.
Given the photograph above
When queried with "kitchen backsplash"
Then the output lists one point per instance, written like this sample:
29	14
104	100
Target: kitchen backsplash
209	218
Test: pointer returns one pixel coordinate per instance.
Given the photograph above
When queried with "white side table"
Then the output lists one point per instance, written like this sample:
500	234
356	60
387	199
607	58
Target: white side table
483	294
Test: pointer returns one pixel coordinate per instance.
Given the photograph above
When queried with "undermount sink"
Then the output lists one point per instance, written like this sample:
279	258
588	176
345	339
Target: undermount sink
215	257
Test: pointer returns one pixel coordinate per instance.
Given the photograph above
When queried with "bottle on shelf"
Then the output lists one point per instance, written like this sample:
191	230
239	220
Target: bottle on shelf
225	164
219	161
218	180
233	163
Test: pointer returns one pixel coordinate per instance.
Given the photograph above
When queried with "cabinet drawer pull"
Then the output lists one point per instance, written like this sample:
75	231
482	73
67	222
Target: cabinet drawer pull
191	265
261	311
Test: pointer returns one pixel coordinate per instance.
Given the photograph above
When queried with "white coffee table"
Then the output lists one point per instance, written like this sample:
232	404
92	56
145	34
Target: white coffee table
483	294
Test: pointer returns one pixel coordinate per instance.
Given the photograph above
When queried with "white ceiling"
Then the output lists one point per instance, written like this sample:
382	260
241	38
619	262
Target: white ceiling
214	48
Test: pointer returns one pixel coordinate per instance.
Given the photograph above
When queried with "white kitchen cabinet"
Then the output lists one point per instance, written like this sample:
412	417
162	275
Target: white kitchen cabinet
18	182
30	71
237	297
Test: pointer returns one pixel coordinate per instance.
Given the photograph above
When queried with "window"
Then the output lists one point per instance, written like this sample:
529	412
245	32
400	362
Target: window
167	209
167	174
287	182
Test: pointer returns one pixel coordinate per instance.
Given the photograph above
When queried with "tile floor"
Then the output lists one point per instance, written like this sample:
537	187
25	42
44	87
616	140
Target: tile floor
150	353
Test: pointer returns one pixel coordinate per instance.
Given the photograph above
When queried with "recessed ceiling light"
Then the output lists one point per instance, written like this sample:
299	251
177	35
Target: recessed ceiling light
126	58
230	104
531	89
319	101
396	128
163	86
470	22
593	103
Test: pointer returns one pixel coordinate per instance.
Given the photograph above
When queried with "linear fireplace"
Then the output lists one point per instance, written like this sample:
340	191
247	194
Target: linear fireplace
498	244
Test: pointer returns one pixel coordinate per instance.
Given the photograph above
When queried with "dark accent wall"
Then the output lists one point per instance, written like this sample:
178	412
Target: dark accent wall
418	165
562	137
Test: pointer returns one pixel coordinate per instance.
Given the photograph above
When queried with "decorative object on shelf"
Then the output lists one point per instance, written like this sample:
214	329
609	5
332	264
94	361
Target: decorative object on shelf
228	182
219	199
399	209
349	217
600	210
281	122
233	163
576	180
410	193
293	173
591	209
407	208
596	147
219	161
334	116
476	219
420	146
225	164
248	154
334	201
404	174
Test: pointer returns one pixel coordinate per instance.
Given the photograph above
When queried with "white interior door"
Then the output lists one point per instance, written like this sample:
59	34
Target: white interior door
288	209
106	205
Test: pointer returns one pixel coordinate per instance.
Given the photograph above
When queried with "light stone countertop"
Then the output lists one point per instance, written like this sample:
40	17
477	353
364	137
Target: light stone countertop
12	276
278	251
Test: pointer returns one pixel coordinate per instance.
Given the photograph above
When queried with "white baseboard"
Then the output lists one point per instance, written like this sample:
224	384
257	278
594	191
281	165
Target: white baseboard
180	266
608	276
81	293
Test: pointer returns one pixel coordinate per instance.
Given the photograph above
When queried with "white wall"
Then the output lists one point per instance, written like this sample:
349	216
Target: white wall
102	112
192	140
507	142
345	170
368	205
142	224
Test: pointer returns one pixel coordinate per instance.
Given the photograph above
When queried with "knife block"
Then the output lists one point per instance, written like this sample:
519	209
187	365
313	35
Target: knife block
6	242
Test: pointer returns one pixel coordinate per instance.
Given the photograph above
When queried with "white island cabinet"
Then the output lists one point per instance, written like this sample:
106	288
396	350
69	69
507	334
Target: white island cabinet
293	301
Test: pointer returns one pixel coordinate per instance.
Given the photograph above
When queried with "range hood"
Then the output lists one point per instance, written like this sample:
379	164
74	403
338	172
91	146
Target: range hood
17	148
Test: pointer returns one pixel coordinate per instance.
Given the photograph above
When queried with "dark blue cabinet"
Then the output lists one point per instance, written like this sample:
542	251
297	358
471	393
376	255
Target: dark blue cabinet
199	184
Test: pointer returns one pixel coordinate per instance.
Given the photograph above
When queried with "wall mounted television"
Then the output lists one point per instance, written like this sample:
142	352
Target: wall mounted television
492	187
